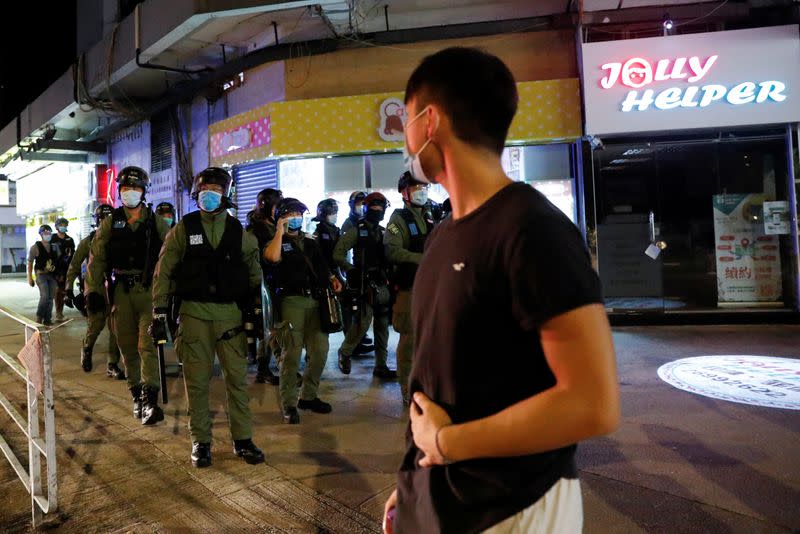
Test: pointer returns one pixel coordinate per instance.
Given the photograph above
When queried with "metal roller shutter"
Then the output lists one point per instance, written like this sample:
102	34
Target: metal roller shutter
249	179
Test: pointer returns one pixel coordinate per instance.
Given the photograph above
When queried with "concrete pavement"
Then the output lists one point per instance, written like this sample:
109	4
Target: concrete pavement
679	463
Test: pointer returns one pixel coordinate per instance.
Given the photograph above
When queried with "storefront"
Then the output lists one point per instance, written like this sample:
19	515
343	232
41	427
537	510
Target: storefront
694	206
330	147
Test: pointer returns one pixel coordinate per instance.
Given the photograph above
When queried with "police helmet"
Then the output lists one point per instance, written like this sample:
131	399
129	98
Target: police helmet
355	198
268	197
406	180
133	176
45	228
212	175
289	205
62	221
376	199
327	207
165	207
101	212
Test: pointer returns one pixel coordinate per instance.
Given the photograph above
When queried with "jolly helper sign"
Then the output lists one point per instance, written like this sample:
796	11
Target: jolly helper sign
742	77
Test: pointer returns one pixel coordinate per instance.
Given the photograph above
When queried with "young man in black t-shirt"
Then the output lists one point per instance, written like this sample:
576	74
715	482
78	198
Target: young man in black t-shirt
514	362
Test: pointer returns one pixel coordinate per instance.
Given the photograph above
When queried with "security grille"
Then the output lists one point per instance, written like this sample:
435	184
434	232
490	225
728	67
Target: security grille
249	179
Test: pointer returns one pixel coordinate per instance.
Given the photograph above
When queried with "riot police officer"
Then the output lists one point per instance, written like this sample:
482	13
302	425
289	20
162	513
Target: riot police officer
404	241
301	277
350	298
95	321
212	264
67	246
166	211
327	233
356	203
123	256
261	223
368	278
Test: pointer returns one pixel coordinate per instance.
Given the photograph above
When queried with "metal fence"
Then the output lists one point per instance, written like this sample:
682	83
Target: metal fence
41	503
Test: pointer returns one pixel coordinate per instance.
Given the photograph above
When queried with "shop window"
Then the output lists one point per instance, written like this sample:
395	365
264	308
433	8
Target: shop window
304	179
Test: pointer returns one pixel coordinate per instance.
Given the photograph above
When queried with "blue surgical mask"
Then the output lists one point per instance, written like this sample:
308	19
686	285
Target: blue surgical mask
295	223
419	198
411	161
47	237
332	218
62	229
209	200
131	198
169	220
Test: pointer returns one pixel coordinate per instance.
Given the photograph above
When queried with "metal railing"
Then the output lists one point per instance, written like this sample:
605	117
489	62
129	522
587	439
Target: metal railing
32	478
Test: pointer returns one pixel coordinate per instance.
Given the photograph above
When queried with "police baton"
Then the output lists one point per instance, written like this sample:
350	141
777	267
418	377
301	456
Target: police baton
162	371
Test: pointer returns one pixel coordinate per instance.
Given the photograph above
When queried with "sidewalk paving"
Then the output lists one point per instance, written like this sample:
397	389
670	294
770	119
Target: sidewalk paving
679	463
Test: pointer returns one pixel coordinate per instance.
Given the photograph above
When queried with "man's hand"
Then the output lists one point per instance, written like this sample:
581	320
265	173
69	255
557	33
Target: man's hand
388	513
95	303
427	419
337	285
31	282
281	225
158	328
69	296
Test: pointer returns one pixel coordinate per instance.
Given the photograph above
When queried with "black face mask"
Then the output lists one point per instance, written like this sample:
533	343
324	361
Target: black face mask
374	216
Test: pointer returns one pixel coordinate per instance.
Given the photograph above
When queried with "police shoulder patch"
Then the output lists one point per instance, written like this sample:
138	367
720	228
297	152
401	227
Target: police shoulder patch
393	228
196	239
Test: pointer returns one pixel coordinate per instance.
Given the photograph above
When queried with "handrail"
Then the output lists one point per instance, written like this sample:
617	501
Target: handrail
32	477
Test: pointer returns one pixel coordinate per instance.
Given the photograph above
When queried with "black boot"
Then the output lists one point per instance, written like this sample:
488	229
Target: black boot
246	449
264	374
384	373
86	359
136	393
113	371
201	454
290	416
151	412
344	363
317	405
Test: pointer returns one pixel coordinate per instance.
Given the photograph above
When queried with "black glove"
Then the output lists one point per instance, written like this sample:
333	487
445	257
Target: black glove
354	279
95	303
258	322
158	328
68	296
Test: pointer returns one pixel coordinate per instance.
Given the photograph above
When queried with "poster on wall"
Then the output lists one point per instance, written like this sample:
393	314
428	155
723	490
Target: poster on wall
776	217
748	260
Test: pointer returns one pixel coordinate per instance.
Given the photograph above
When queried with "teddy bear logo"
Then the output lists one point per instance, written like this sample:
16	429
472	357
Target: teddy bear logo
392	115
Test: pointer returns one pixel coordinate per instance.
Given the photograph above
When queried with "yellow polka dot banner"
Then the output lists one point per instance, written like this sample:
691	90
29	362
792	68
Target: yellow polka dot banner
549	110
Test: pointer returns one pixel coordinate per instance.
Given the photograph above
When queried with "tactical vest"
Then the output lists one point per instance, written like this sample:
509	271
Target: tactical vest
293	275
405	272
369	254
40	262
129	250
66	247
208	274
327	237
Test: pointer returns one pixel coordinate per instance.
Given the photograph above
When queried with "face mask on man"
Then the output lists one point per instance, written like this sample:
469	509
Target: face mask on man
419	198
62	229
411	161
131	198
295	223
374	216
47	237
209	200
169	220
332	218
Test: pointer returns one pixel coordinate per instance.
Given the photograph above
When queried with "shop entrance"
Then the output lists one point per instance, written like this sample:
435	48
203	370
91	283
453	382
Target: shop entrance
680	223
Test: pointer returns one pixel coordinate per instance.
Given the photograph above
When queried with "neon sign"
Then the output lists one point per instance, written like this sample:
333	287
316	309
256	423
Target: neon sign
637	73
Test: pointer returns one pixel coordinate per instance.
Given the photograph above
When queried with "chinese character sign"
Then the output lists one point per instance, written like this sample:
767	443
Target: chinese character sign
748	260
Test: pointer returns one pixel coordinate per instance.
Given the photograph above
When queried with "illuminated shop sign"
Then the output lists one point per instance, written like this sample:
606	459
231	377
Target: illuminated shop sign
637	73
735	78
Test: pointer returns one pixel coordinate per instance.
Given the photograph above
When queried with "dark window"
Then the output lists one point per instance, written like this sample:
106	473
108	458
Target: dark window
160	144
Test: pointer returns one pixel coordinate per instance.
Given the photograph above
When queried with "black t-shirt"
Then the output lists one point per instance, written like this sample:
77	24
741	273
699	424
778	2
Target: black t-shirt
486	283
67	246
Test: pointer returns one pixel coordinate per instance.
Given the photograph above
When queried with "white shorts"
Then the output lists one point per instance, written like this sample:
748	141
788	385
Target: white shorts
560	510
